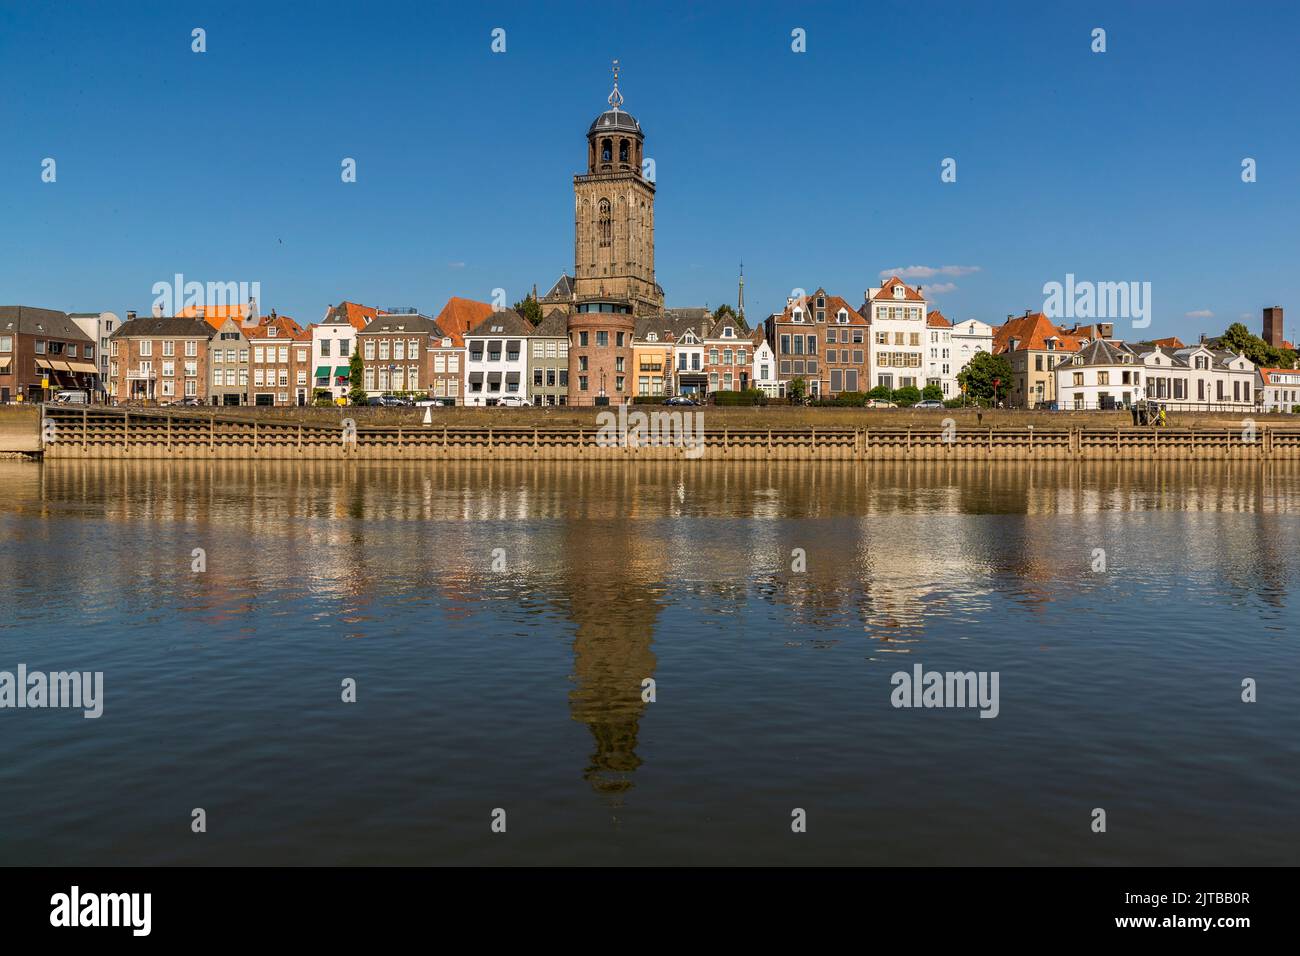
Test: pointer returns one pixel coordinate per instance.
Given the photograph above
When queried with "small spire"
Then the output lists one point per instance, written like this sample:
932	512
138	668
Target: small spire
740	304
615	97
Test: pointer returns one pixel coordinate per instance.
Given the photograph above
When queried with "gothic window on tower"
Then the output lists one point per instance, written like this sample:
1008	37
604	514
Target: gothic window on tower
606	225
606	150
622	151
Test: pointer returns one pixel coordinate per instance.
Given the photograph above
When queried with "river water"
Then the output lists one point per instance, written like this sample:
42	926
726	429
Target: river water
500	620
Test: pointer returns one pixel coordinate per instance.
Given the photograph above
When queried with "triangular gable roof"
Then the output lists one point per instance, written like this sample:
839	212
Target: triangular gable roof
935	319
887	291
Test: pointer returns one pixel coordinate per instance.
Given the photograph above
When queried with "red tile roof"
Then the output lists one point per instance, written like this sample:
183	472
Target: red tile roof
358	316
216	315
887	291
1172	342
1031	333
459	315
935	319
285	328
1268	373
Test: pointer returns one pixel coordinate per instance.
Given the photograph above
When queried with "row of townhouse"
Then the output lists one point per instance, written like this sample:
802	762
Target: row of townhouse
1086	367
891	341
1113	374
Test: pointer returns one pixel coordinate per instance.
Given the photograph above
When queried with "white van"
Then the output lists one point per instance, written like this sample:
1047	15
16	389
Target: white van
71	398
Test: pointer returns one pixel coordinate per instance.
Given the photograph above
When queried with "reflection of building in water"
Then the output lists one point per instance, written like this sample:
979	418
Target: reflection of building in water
611	591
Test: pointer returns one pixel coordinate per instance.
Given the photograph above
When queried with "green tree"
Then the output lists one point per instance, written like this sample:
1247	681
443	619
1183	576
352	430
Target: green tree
356	393
906	396
722	310
881	393
932	393
1240	339
796	389
978	376
530	309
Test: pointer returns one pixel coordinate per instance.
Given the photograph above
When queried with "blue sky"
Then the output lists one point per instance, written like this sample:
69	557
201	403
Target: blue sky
819	168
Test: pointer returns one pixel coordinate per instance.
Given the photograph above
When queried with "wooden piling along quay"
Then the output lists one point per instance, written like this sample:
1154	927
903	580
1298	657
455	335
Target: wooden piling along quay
70	433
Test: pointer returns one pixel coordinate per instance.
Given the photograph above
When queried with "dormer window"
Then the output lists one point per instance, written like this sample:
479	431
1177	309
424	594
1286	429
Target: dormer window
842	317
729	332
1051	345
899	292
270	332
652	337
798	315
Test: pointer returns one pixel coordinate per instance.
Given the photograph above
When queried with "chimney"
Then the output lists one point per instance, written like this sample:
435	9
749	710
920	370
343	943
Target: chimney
130	315
1203	338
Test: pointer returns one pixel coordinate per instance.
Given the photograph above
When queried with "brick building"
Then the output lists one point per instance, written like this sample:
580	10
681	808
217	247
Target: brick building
43	351
396	352
275	357
727	354
162	359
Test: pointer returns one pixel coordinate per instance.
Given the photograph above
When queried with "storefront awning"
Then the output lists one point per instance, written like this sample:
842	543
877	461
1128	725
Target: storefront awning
476	376
42	363
59	365
342	371
85	367
494	376
323	371
512	377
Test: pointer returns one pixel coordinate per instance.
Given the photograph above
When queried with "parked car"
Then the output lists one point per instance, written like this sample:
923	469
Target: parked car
436	403
71	397
878	403
513	401
930	403
384	401
680	400
189	401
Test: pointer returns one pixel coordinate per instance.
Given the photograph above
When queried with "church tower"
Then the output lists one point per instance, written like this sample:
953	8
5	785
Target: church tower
614	258
614	206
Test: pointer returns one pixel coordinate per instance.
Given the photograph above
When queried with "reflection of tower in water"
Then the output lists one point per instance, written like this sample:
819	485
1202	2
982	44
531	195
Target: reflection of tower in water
612	593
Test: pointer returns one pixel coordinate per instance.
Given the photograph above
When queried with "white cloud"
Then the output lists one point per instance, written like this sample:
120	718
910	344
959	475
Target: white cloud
928	272
939	288
1199	314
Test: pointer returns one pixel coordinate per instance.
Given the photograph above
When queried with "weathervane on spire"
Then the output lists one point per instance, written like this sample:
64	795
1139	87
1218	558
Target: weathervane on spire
615	97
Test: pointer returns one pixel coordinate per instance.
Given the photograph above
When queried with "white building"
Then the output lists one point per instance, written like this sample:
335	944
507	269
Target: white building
690	377
333	341
763	374
1112	374
968	339
1279	389
940	367
896	315
496	363
98	326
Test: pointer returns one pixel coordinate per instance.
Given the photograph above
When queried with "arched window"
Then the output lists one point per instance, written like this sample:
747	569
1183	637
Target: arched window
605	224
606	150
622	151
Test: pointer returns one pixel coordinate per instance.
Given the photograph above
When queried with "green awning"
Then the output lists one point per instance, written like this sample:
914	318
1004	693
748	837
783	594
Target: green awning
343	372
323	371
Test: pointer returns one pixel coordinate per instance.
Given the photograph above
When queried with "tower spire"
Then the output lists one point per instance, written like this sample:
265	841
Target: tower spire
615	97
740	304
